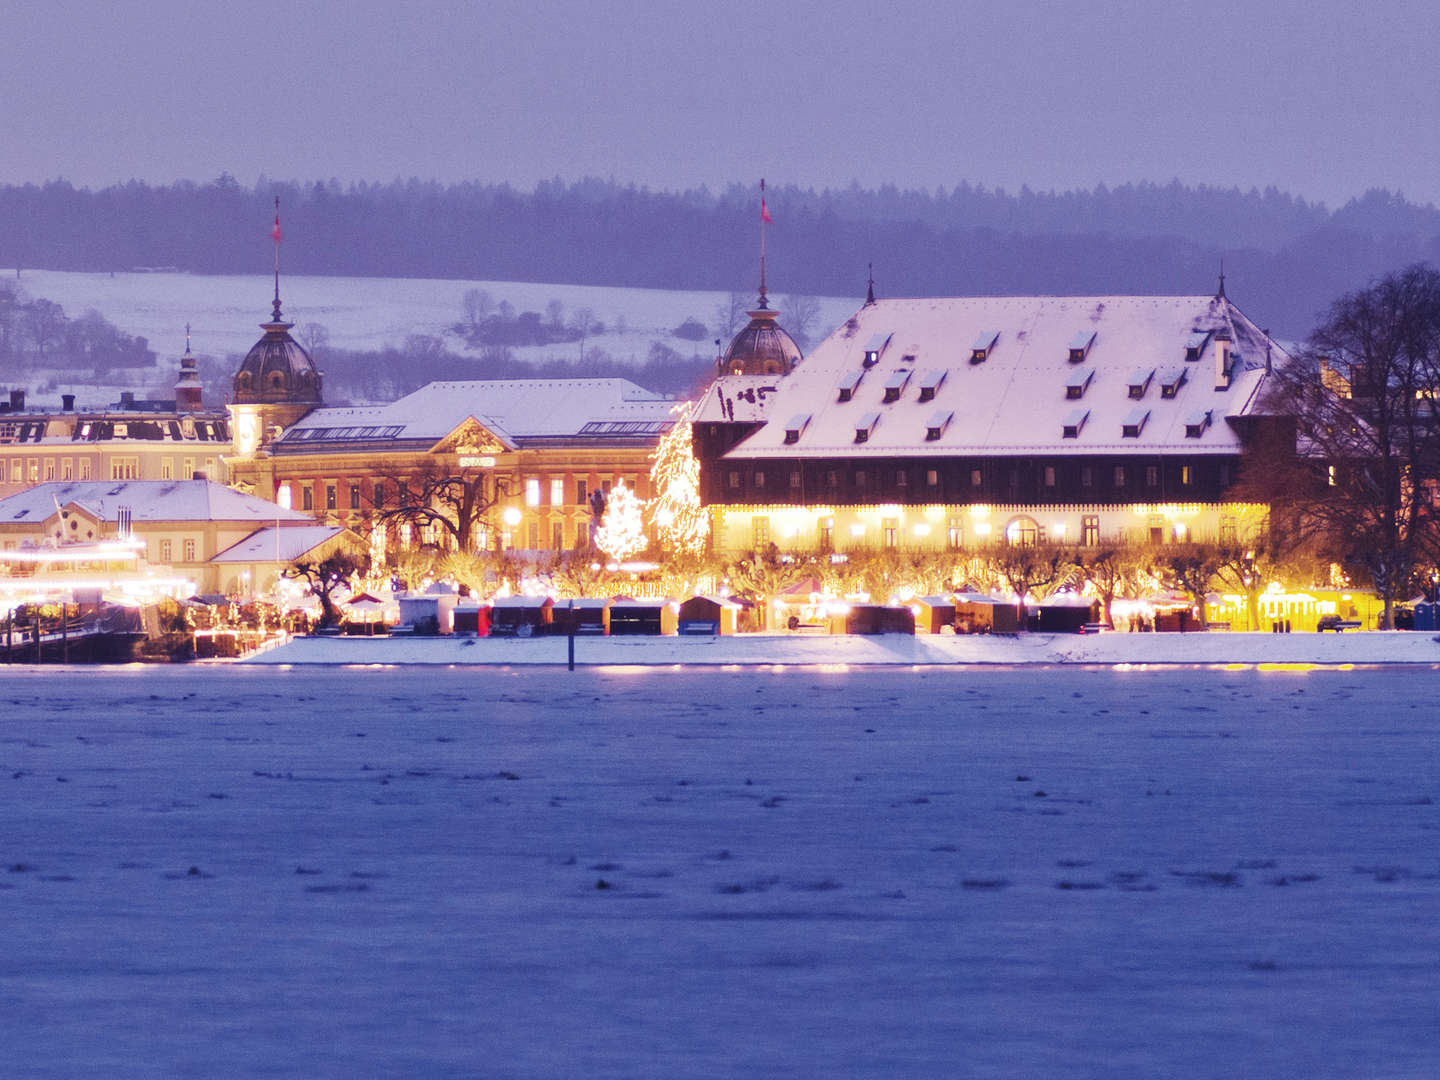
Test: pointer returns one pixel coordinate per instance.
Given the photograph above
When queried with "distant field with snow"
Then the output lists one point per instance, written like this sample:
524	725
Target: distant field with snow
511	873
372	313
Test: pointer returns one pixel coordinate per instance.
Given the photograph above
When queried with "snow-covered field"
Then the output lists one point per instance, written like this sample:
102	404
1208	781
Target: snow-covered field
1392	647
517	872
371	313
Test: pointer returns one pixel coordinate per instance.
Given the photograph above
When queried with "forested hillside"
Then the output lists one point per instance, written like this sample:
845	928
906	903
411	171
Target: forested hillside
1285	258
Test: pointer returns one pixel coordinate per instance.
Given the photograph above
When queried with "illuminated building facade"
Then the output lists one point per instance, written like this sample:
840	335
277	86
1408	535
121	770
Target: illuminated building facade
957	423
177	529
132	439
537	450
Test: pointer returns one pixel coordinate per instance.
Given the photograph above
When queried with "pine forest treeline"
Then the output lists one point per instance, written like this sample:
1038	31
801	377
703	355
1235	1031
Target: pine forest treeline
1286	258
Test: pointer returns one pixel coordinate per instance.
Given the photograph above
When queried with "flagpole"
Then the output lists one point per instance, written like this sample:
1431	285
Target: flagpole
275	235
763	302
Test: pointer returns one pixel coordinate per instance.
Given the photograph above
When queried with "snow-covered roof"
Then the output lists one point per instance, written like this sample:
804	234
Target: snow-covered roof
117	424
733	399
285	544
1010	365
147	500
513	410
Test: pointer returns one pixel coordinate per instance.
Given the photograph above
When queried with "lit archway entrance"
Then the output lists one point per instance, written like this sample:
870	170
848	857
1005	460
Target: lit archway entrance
1022	532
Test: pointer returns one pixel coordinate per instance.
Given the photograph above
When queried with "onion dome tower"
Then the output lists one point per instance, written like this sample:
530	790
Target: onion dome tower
762	347
189	395
277	382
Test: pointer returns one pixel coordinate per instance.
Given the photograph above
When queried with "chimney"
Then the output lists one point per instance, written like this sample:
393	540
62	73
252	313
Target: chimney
127	399
67	402
1222	360
17	400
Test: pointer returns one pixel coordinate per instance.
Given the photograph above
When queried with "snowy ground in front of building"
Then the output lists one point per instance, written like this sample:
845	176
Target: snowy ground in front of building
750	649
966	872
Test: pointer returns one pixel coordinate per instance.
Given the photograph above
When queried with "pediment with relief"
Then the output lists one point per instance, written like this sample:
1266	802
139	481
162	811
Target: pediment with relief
471	439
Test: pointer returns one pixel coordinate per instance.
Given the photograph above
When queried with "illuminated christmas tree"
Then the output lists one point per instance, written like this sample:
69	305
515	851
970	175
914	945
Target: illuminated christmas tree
621	533
681	523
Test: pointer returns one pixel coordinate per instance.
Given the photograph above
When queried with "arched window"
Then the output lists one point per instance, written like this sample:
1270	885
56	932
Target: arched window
1022	532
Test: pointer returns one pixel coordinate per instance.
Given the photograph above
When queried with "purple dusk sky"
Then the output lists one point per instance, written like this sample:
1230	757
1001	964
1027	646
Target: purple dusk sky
1323	99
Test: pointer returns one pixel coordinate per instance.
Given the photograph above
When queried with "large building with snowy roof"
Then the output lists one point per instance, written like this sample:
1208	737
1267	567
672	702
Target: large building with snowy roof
132	439
963	421
540	447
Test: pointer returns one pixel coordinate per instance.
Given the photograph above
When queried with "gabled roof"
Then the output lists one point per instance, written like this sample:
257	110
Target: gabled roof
737	399
514	411
1015	402
285	544
147	500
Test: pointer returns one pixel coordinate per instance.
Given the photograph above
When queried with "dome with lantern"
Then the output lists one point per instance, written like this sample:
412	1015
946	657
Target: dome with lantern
762	347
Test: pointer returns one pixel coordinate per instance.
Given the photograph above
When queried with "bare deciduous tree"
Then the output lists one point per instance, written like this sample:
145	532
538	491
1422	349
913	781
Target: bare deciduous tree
457	502
326	575
730	312
1358	475
477	305
762	575
800	316
1032	570
315	337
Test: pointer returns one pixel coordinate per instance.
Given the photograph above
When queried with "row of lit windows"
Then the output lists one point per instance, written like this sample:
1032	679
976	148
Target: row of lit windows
901	477
1022	532
31	469
580	536
127	467
534	489
333	493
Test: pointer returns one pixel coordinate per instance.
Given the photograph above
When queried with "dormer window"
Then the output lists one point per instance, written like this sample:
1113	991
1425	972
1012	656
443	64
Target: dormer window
929	383
1134	423
1139	382
984	346
1078	383
895	385
846	388
1227	360
1075	423
1197	423
1171	380
1080	345
796	427
874	347
865	426
936	425
1195	346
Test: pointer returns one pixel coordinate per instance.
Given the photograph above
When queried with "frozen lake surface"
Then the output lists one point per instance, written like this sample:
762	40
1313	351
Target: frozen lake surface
507	872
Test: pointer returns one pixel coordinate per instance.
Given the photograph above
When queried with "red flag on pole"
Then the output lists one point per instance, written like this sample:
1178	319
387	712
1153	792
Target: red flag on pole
765	212
275	232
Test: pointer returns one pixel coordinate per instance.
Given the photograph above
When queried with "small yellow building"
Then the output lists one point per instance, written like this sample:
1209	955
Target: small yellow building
181	527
